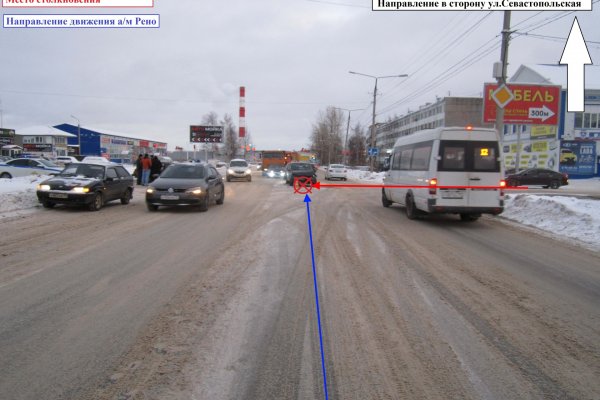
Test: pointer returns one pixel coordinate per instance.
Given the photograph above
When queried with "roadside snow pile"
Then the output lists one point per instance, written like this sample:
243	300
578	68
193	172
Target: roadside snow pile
18	194
569	217
359	175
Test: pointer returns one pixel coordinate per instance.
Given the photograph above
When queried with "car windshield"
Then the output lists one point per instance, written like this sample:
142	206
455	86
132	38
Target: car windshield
336	166
238	164
84	170
183	172
48	163
299	167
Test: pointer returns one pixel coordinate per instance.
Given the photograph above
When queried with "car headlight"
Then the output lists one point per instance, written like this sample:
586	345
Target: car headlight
271	174
79	189
282	173
248	171
195	190
43	187
230	171
150	190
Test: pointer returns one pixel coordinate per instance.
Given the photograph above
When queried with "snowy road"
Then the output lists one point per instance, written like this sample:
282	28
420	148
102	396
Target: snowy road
220	305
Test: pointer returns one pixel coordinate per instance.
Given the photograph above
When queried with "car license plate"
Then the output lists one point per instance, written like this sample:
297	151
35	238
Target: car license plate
169	197
58	195
452	194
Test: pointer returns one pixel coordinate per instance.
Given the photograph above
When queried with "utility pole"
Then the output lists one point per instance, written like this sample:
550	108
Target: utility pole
372	162
502	80
78	135
347	130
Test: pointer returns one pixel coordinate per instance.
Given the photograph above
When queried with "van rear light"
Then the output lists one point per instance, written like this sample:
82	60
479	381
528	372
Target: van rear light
502	186
432	186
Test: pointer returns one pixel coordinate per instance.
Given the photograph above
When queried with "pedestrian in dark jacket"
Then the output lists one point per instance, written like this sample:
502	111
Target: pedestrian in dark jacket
138	169
156	168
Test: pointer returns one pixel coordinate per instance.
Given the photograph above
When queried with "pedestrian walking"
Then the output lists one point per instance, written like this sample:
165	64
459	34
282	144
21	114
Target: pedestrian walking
146	168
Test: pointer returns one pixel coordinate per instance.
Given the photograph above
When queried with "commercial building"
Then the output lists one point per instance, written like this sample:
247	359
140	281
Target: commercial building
447	111
119	147
43	141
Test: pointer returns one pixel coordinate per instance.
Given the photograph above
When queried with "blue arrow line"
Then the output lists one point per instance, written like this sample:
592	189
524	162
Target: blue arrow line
312	254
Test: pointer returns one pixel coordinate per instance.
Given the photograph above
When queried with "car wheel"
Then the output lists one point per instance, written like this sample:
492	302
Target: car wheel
469	217
48	204
6	175
511	183
228	179
204	205
151	207
554	185
384	200
249	179
96	203
126	196
411	208
221	198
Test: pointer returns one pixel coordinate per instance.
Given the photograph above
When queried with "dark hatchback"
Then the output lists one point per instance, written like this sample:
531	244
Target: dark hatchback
300	170
187	184
538	177
87	184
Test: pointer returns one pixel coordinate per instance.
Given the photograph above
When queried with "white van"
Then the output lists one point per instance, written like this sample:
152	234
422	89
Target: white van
459	170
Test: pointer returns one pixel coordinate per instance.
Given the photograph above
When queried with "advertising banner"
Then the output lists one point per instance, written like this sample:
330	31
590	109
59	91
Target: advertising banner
206	134
577	158
534	154
525	104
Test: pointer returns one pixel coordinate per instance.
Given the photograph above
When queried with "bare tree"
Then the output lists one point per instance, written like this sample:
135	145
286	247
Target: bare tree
212	119
357	145
326	136
230	137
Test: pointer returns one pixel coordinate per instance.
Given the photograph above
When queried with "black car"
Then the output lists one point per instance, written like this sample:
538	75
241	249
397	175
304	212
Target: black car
538	177
186	184
87	184
300	170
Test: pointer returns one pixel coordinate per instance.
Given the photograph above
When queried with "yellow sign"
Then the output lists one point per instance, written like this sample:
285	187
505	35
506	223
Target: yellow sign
540	146
484	152
543	131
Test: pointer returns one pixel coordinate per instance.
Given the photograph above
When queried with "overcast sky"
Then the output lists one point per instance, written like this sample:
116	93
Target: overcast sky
293	57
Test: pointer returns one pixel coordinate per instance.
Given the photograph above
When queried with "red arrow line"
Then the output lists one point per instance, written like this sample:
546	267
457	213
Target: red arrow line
319	185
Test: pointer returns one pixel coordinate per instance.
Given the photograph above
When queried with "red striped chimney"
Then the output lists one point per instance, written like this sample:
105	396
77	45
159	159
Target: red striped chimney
242	111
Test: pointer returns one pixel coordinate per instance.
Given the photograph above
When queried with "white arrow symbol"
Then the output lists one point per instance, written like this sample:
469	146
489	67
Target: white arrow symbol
575	55
543	113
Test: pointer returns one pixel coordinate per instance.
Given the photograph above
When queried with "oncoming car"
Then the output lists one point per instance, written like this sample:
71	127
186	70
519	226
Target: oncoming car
301	171
186	185
275	171
239	169
87	184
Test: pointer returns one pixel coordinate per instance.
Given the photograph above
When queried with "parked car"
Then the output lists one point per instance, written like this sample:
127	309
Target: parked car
300	170
186	184
239	169
28	166
87	184
4	159
95	159
336	171
538	177
65	160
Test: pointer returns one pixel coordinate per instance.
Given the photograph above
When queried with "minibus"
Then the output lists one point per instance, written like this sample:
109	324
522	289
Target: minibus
452	170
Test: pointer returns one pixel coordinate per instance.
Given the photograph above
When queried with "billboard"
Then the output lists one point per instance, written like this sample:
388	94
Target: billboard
206	134
525	104
577	157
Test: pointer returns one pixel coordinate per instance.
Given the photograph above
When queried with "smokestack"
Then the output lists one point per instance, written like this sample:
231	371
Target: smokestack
242	111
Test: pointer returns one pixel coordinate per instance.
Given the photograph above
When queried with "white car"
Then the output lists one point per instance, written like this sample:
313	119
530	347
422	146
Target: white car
65	160
336	171
239	169
28	166
96	160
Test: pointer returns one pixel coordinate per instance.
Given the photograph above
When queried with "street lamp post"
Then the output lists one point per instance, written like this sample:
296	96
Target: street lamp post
374	105
78	135
347	129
